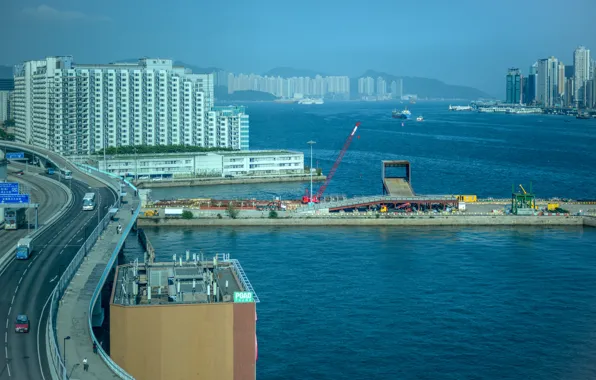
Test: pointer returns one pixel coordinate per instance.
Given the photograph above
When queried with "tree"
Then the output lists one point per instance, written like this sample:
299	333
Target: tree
187	214
319	171
150	149
232	211
272	214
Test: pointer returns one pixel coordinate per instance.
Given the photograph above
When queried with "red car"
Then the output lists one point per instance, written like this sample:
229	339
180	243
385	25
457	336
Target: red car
22	324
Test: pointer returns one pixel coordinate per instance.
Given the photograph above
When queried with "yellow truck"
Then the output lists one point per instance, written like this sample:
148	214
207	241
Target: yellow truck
552	206
467	198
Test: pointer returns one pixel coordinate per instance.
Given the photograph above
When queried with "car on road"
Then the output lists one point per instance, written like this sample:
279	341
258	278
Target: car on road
20	172
22	323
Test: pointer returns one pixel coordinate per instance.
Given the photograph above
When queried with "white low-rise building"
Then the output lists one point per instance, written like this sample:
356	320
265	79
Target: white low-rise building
212	164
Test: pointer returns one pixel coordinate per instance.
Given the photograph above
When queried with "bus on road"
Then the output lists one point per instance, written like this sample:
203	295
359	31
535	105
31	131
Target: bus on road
89	202
14	218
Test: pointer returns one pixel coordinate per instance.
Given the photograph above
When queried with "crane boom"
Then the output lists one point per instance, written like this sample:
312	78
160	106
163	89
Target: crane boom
337	161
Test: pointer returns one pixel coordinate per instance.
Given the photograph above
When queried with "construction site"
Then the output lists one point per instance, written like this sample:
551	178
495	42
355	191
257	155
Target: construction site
397	197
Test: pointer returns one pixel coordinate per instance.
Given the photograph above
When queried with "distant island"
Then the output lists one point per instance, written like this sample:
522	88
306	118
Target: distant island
221	94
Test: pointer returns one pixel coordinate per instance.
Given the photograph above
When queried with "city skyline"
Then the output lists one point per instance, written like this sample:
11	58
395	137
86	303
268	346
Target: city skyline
551	83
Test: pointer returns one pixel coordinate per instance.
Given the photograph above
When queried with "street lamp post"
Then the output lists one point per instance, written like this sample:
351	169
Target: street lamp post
64	355
310	199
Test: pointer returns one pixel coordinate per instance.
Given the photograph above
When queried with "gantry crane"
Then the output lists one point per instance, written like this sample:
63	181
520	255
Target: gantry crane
316	198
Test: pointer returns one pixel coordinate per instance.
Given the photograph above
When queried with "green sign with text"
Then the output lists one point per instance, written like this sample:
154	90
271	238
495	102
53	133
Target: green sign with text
243	297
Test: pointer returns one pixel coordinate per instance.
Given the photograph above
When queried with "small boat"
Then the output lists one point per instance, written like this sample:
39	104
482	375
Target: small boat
419	118
405	114
583	116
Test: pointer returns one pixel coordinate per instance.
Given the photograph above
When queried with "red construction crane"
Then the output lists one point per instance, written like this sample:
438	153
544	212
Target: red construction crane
316	198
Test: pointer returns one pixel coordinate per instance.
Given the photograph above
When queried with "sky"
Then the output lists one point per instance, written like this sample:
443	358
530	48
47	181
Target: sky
464	42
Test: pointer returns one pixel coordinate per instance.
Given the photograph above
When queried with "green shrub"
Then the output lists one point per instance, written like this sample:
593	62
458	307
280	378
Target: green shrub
187	214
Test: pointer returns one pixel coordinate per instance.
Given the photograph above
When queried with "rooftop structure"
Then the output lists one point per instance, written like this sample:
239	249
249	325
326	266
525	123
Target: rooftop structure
397	178
183	280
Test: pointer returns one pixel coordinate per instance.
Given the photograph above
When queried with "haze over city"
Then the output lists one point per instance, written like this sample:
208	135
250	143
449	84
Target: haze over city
459	42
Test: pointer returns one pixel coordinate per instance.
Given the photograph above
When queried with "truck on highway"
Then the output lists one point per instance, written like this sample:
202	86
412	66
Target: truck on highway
14	218
24	249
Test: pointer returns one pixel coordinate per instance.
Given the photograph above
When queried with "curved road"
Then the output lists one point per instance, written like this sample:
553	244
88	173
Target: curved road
50	197
27	284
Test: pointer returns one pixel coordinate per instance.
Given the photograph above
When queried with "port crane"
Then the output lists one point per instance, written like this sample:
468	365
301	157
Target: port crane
317	197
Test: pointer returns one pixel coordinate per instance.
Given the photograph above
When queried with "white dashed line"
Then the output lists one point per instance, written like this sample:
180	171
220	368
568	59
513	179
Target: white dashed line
6	347
5	336
6	323
20	279
11	302
8	368
9	309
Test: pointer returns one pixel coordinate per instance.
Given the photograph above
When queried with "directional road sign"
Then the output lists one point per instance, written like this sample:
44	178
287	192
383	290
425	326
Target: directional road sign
15	156
9	188
14	199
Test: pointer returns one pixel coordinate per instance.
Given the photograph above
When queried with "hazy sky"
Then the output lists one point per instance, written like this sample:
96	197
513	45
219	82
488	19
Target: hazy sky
468	42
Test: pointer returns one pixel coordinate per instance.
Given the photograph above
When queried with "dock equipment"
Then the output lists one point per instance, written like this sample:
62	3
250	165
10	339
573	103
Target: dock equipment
523	203
397	184
307	198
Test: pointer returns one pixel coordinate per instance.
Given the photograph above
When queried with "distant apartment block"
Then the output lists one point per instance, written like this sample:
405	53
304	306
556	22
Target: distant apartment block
371	89
547	92
318	86
4	106
81	108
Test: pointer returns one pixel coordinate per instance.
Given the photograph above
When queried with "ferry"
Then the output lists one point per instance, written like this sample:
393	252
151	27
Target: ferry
405	114
460	108
311	101
419	118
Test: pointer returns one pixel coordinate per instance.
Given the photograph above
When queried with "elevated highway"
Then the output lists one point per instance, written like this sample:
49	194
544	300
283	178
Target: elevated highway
28	284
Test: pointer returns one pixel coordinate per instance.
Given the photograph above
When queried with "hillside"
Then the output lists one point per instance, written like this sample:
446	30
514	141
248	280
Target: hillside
426	87
221	95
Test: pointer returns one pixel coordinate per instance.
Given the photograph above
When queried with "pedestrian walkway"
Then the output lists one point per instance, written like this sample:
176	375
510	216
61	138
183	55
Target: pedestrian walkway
73	319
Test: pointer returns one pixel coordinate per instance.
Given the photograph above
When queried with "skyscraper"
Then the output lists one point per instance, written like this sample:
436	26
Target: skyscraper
81	108
531	86
581	63
514	86
548	80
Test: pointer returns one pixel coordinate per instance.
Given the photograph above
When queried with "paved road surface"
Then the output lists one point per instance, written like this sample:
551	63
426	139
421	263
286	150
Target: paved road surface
50	197
27	284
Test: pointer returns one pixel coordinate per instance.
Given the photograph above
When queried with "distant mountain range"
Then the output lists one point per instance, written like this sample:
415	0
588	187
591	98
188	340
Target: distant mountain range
288	72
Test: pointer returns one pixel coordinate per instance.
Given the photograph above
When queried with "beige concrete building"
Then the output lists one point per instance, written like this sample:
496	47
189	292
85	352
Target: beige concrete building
186	319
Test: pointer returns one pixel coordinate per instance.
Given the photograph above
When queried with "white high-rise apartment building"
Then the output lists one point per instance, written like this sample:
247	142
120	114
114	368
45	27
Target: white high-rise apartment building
381	86
581	73
82	108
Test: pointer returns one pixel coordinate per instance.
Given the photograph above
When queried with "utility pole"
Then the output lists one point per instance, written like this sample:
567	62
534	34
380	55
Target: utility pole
310	199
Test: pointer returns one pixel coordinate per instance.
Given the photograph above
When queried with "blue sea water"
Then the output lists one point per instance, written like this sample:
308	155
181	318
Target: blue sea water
418	303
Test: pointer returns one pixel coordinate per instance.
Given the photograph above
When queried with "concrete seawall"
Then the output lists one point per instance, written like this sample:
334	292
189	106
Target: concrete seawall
359	222
226	181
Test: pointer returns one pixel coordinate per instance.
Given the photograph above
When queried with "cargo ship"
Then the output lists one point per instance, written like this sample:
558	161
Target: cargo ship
405	114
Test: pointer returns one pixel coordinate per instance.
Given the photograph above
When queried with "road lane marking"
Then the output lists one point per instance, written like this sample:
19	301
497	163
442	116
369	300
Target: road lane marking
15	291
54	279
11	302
9	309
5	336
7	323
20	279
6	349
8	367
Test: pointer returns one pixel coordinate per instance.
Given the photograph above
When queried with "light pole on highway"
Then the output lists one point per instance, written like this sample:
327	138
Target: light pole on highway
64	355
311	143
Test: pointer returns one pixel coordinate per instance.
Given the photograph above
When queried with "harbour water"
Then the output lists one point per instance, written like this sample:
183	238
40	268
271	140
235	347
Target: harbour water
418	303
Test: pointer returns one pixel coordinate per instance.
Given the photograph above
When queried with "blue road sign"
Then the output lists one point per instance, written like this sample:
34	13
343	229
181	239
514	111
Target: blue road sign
9	188
14	199
15	156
